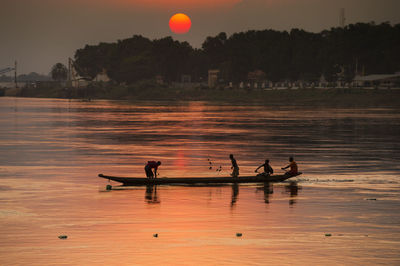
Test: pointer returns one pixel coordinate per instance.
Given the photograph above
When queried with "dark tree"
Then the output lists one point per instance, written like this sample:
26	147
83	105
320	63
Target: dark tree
337	54
59	72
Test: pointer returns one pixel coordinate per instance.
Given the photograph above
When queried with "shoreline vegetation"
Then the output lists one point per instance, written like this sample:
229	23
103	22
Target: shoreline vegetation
263	56
266	56
277	96
265	66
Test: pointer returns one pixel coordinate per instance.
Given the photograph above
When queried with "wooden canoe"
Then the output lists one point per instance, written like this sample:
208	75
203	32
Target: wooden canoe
134	181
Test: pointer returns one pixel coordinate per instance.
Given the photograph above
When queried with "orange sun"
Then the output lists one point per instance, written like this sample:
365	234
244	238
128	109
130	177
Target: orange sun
180	23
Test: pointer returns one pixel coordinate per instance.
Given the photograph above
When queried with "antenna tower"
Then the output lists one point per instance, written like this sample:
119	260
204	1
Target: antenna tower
342	18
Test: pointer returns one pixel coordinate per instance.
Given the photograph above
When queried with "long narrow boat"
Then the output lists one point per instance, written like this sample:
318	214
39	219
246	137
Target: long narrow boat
133	181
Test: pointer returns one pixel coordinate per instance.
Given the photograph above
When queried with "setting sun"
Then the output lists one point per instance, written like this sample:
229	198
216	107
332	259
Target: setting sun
180	23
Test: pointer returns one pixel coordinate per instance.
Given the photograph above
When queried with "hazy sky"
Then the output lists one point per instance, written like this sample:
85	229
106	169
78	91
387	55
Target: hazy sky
40	33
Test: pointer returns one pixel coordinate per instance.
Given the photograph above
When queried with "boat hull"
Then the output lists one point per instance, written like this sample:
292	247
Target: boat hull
135	181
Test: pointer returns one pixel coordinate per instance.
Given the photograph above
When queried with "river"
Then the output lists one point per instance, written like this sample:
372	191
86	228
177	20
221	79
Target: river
344	209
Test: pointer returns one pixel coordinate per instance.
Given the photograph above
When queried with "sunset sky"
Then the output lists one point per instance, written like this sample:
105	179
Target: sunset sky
40	33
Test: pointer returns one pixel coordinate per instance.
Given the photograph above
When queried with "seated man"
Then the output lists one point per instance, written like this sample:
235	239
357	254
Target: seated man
293	167
267	169
151	165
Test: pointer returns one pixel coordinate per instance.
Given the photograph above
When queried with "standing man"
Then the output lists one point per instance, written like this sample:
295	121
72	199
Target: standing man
235	167
293	167
149	166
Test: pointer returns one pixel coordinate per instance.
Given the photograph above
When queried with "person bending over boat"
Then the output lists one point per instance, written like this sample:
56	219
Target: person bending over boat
293	167
235	167
149	166
267	168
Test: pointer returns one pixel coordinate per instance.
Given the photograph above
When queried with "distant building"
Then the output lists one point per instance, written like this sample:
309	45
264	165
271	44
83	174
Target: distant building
102	77
213	75
9	85
186	79
74	79
186	82
159	79
322	81
78	82
377	80
256	76
47	84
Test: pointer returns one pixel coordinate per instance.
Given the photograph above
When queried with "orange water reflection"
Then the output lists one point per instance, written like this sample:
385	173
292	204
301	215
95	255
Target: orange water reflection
151	195
52	151
194	225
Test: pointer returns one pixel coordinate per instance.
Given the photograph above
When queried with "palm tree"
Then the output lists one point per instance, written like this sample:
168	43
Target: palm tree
59	72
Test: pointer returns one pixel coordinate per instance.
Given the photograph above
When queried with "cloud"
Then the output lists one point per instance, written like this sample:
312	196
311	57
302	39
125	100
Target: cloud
168	4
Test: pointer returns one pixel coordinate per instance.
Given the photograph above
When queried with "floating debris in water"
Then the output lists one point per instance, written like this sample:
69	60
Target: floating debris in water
328	234
155	235
370	199
210	167
108	187
62	237
239	234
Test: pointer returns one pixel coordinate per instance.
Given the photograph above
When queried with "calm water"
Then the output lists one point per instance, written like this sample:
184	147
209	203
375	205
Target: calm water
52	150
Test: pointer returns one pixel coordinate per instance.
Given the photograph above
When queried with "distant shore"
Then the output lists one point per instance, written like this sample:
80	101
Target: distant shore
300	96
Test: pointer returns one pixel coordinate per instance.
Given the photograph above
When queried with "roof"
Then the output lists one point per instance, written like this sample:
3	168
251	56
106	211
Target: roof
376	77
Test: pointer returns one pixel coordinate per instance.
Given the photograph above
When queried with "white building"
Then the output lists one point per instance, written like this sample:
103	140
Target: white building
213	75
380	80
102	77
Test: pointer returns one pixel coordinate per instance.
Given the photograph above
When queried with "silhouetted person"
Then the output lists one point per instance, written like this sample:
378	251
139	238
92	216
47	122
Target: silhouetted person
235	167
293	167
267	168
149	166
268	190
151	194
293	189
235	193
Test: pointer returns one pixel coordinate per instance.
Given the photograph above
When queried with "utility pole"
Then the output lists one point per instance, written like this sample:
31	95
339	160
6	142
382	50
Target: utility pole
356	72
69	70
15	74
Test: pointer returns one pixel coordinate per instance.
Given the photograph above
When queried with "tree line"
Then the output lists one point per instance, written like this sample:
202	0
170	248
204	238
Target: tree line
33	76
279	55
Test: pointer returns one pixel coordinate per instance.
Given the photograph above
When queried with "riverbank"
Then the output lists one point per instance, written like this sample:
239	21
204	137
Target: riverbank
148	91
